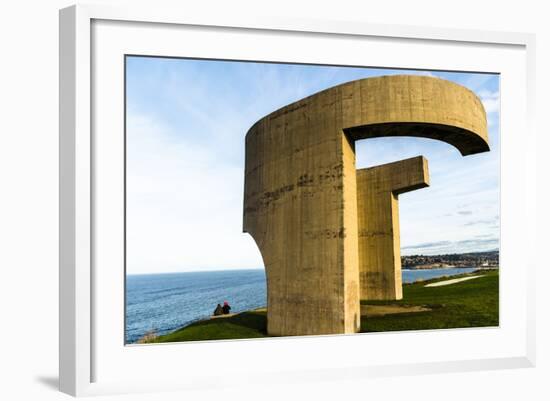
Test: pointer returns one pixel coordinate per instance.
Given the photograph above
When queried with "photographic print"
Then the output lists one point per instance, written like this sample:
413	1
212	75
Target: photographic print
271	199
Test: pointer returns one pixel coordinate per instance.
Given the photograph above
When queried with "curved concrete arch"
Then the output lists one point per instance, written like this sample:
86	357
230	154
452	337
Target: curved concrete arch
418	106
300	200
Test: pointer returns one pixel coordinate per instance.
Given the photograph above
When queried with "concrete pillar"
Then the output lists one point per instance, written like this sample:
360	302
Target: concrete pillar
378	189
300	196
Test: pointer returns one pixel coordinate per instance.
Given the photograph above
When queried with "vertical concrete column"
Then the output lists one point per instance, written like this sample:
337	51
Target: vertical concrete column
299	176
378	189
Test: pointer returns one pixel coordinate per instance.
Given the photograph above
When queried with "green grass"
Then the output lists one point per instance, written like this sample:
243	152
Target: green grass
244	325
472	303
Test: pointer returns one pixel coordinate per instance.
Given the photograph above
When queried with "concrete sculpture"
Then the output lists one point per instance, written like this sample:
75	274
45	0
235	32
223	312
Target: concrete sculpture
300	200
378	189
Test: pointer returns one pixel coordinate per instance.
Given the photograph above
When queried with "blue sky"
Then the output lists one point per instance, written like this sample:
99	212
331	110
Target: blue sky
186	122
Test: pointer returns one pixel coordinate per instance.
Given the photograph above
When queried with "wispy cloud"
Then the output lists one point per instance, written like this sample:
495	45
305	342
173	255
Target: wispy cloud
427	245
443	247
478	242
464	212
490	221
490	100
183	210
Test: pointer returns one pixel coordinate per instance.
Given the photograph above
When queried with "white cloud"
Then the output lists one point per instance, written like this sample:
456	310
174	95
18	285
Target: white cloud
425	73
184	208
490	100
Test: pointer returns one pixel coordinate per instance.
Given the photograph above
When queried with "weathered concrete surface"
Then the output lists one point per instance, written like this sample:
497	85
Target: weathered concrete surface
300	200
378	189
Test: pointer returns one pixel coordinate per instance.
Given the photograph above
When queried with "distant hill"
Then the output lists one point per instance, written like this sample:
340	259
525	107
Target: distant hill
470	259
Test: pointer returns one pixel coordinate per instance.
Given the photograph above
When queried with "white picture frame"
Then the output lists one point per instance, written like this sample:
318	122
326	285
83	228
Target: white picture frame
82	343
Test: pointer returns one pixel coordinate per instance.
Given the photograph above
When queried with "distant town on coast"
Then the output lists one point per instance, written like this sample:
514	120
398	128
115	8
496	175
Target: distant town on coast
488	259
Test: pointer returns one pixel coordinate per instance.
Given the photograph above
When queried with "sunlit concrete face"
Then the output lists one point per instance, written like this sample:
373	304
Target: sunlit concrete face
300	200
378	189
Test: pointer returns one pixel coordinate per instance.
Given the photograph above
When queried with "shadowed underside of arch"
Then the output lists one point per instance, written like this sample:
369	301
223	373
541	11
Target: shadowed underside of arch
466	142
300	201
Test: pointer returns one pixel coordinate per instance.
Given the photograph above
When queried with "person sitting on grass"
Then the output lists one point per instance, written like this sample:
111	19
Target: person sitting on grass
226	308
218	311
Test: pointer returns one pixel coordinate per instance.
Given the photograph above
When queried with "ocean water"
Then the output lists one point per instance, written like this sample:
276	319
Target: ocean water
166	302
410	276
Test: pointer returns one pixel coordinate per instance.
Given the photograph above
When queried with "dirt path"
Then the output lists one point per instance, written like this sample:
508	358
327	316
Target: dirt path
382	310
453	281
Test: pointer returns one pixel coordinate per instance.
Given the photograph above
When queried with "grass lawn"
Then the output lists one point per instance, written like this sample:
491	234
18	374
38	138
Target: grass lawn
243	325
472	303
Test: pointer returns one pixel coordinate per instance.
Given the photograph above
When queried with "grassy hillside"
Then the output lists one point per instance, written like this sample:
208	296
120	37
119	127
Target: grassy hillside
243	325
472	303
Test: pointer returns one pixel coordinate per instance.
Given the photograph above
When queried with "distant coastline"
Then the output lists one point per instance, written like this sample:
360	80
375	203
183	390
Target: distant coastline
435	266
481	260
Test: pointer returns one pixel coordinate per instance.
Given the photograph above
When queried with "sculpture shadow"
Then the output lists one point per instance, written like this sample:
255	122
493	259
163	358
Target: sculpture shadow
253	320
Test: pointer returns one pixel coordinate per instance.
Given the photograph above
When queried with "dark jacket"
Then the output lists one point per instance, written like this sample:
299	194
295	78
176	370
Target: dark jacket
218	311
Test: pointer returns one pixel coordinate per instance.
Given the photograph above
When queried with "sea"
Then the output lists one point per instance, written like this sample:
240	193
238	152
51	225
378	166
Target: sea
165	302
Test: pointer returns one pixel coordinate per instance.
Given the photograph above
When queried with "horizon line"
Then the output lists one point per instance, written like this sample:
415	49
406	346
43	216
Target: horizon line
263	267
